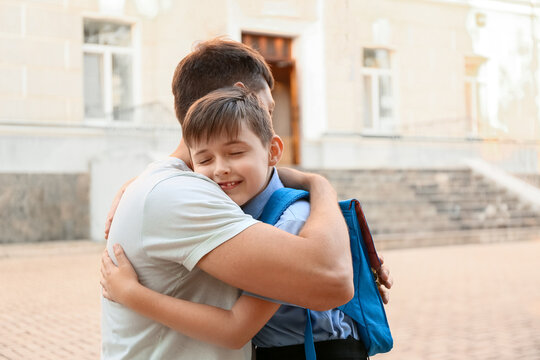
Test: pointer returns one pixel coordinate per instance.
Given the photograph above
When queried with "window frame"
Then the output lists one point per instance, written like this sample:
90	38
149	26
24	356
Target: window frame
374	74
107	52
477	84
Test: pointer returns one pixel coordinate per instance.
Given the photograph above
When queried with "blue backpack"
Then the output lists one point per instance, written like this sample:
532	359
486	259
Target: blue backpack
366	307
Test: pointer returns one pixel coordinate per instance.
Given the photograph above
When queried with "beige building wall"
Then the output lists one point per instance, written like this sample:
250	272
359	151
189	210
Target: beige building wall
39	62
429	42
432	44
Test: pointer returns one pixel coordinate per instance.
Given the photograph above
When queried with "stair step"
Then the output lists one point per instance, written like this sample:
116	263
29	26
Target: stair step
445	224
440	238
450	202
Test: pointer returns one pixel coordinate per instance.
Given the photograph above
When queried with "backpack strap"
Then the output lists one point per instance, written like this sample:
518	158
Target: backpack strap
280	201
309	343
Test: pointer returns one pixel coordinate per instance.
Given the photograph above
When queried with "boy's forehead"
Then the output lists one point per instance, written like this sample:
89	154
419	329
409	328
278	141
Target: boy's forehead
243	135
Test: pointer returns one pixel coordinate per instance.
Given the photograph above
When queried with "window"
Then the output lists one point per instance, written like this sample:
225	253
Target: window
108	70
475	95
378	90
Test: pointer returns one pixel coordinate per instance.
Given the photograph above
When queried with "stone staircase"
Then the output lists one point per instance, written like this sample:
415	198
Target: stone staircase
407	208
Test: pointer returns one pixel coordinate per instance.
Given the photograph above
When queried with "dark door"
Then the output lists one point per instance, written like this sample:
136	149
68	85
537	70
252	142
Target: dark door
277	52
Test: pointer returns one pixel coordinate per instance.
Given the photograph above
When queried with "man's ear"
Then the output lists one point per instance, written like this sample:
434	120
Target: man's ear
276	151
240	84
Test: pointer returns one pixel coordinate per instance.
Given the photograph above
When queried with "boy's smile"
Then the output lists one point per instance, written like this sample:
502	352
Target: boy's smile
229	185
240	166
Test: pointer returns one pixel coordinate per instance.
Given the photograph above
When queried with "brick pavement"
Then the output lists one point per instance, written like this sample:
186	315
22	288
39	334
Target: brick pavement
50	301
456	302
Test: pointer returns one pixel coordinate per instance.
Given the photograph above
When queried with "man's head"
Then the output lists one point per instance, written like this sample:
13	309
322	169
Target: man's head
230	136
219	63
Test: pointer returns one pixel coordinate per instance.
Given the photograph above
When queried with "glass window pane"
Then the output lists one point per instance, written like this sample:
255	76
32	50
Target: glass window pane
106	33
385	97
122	87
377	58
368	97
93	86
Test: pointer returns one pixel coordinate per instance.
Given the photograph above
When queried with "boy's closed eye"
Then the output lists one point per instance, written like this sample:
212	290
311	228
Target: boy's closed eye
203	161
235	153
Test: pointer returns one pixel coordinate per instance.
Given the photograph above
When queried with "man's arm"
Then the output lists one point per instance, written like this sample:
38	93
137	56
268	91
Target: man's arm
313	269
293	179
322	279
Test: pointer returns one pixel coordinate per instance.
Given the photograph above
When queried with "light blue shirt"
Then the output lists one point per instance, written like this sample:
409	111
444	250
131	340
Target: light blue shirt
287	325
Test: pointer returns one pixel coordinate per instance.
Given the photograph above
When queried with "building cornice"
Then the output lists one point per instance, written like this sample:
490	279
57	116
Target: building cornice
521	7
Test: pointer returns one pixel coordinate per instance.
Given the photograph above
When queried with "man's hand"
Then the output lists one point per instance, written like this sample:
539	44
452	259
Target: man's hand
114	206
117	281
385	281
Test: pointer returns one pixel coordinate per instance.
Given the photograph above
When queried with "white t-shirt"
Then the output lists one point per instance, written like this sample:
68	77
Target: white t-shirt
167	220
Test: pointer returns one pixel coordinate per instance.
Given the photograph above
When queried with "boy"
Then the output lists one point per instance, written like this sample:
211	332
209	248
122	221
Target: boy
231	141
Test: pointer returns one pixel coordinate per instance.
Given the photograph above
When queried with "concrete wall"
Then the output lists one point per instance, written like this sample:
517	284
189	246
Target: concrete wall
357	152
44	207
105	157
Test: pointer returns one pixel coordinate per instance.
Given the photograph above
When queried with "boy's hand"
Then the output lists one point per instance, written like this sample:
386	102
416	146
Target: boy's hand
300	180
114	206
117	281
385	281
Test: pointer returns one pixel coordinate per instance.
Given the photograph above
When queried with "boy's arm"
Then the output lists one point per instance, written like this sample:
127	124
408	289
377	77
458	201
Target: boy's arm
114	206
313	269
227	328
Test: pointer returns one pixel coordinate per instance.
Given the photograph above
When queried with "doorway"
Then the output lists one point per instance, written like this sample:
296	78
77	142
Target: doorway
277	53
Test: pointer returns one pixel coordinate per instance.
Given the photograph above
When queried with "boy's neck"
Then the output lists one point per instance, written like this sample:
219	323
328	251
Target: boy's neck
255	205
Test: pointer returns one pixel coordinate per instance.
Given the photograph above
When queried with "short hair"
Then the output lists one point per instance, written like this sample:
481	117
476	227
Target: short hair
223	112
215	64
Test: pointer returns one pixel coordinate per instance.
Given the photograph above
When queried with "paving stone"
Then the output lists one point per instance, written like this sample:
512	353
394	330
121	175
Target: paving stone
457	302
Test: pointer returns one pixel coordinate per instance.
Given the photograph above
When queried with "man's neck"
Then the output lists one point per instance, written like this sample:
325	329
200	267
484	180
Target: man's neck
182	153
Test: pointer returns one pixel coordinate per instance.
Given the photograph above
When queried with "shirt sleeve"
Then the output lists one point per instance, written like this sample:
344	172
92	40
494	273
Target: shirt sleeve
186	217
294	218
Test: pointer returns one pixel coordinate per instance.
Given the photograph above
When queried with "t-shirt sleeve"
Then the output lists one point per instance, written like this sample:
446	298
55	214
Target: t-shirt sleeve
186	217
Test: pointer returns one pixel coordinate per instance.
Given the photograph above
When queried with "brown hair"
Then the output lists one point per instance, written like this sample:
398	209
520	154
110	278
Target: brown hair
223	112
215	64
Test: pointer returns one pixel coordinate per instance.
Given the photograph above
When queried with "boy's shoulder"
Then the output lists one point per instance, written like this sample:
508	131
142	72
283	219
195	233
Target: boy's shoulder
298	211
293	219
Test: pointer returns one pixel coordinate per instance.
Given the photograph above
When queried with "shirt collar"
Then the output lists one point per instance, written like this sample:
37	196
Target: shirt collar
255	206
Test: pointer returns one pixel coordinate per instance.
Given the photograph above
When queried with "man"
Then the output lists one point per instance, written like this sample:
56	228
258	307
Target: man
187	239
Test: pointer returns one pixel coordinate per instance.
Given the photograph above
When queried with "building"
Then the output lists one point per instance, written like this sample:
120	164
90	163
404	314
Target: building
85	98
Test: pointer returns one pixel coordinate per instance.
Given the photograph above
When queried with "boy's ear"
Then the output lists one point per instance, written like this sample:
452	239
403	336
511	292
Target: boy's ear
240	84
276	151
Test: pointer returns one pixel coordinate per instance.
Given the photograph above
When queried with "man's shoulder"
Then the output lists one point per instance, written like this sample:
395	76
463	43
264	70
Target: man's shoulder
172	172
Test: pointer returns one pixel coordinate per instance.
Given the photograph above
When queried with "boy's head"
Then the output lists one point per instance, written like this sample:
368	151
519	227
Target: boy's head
219	63
230	137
